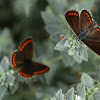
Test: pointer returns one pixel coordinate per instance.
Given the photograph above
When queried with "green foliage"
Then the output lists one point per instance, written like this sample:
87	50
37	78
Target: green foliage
82	91
6	77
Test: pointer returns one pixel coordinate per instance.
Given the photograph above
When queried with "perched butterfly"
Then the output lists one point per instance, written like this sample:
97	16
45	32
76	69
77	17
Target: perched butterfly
84	27
22	60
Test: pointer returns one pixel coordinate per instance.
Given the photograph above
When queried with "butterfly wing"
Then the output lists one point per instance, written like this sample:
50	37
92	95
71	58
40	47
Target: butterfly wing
26	48
93	40
33	69
25	51
85	20
72	17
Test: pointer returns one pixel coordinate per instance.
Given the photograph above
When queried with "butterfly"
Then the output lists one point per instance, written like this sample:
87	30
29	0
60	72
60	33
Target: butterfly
85	28
22	60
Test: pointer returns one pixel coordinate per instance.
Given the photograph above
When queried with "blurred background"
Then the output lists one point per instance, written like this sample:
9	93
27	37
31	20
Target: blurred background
42	19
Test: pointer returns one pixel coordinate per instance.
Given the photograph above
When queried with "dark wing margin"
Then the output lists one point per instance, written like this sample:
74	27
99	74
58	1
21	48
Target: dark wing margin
72	17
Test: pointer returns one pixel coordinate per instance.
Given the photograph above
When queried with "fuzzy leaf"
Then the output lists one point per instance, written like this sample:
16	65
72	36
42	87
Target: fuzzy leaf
4	64
87	80
67	59
67	44
58	5
53	98
59	95
70	94
50	19
60	45
97	96
14	88
76	56
2	91
81	90
51	29
9	79
2	74
87	5
56	36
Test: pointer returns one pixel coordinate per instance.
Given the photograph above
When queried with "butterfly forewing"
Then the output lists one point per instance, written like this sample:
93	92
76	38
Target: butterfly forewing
72	17
17	59
33	69
85	20
25	51
26	48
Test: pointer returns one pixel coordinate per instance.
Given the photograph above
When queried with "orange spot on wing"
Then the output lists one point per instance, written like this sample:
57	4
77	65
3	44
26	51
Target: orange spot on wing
98	29
22	47
89	17
13	59
91	21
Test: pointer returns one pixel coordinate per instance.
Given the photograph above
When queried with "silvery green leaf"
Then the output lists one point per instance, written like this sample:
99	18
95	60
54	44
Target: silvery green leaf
53	98
84	54
50	18
60	45
87	80
67	44
2	91
4	64
81	90
67	59
81	53
2	74
58	5
56	36
9	79
70	94
98	72
87	4
97	96
59	95
51	29
75	6
14	87
76	56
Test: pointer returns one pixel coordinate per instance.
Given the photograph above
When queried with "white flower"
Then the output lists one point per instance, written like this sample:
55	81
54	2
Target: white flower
77	98
70	53
12	84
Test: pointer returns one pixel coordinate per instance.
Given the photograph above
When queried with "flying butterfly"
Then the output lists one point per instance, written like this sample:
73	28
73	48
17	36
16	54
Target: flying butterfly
22	60
85	28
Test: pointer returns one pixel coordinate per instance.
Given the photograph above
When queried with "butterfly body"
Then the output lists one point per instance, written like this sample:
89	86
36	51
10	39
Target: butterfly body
22	60
85	28
83	34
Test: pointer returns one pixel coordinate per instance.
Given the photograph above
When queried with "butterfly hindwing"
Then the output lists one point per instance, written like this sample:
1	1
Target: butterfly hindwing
93	40
33	69
72	17
94	34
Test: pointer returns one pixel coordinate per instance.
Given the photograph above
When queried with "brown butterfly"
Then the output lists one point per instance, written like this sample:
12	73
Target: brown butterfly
22	60
84	27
